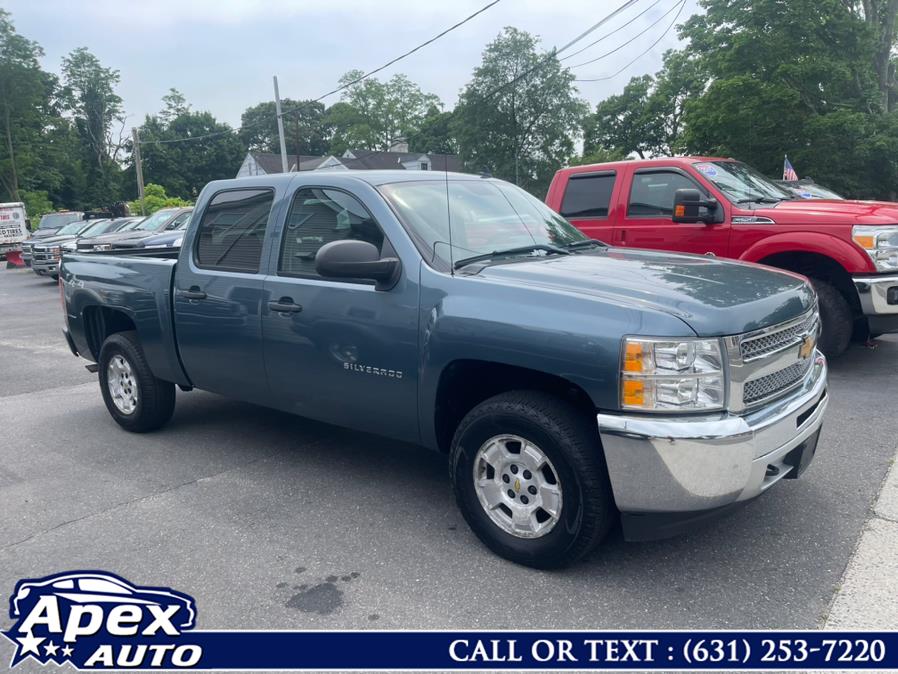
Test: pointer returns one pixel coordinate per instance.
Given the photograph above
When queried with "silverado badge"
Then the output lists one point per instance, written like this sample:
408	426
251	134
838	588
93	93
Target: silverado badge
807	346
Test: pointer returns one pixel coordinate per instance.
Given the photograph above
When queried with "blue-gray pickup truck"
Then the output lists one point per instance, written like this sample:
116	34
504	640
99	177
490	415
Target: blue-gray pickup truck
570	383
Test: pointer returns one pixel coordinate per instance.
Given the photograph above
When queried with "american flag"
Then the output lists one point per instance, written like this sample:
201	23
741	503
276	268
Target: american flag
789	172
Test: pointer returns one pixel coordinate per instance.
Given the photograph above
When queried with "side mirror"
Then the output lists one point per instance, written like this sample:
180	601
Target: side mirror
688	204
357	260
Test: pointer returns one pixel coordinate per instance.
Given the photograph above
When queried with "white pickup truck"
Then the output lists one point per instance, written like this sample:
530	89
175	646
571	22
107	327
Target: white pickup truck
13	230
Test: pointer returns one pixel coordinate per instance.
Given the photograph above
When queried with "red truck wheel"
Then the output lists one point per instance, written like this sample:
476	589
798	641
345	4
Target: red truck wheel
836	318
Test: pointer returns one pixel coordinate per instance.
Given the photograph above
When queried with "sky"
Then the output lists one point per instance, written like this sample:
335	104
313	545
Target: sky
221	54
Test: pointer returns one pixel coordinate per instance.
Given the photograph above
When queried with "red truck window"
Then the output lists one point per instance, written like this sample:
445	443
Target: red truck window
588	195
652	194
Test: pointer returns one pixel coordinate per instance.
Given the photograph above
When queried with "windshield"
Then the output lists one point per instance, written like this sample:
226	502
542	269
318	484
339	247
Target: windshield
155	221
100	227
741	183
57	220
73	228
486	216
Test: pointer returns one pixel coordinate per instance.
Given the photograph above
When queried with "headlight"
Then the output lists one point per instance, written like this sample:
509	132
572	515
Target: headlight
176	243
661	374
881	244
69	247
103	246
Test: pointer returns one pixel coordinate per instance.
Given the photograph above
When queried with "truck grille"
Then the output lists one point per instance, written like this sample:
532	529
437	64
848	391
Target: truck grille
762	345
766	364
770	385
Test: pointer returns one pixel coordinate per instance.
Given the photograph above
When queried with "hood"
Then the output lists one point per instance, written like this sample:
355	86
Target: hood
839	212
120	236
44	233
50	240
713	297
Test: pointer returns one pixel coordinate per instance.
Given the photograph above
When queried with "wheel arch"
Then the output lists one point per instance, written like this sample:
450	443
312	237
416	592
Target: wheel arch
465	383
100	322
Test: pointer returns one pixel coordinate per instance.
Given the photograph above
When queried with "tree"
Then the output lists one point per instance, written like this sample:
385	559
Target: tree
435	133
175	105
881	17
89	93
185	152
154	199
624	123
376	114
25	102
306	128
520	114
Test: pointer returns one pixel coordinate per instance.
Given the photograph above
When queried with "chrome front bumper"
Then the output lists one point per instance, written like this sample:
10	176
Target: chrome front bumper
690	464
873	293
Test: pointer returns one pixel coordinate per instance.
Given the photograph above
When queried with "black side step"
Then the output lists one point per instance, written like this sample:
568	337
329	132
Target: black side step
92	367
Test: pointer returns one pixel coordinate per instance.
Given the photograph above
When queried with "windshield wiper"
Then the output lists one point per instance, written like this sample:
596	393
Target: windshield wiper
761	200
585	243
522	250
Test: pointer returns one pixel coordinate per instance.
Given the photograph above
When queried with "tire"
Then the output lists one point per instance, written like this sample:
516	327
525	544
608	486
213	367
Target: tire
569	442
154	402
836	318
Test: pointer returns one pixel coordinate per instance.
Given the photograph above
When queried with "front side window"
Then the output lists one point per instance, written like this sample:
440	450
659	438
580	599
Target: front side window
319	216
652	194
482	216
232	230
587	196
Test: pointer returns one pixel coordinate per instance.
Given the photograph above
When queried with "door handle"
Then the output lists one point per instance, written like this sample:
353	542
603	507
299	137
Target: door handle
285	305
193	294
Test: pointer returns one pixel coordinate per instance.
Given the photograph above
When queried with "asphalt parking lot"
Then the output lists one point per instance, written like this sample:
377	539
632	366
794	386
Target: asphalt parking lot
272	521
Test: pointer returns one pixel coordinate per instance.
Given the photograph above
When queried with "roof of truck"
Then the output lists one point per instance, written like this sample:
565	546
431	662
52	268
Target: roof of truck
667	161
372	177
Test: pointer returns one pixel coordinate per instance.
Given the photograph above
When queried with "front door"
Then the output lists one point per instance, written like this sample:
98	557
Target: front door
648	223
337	351
218	296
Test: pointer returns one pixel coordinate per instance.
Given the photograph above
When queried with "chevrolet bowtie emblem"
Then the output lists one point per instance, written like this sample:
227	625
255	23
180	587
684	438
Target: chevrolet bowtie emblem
517	485
807	346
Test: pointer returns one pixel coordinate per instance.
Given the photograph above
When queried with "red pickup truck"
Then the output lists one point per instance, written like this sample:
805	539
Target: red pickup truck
714	206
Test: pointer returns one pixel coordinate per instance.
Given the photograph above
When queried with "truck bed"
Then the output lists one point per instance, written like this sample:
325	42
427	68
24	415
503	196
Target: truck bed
135	284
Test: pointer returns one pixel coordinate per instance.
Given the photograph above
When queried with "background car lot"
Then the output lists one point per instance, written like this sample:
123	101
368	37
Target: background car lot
273	521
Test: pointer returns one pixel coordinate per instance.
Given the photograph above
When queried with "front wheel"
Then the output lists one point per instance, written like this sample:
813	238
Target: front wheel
136	399
836	319
530	479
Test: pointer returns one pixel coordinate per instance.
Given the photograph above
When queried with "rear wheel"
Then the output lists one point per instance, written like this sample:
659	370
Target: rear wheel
836	319
137	400
530	479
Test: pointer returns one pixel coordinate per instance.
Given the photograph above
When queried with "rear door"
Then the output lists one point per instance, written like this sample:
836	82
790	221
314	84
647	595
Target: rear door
218	295
648	223
588	203
339	351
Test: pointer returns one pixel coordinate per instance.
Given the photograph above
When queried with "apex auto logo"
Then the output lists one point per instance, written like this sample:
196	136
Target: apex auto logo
97	620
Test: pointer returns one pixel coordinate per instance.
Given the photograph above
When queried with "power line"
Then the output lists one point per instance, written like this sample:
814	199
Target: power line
651	47
344	86
626	44
607	35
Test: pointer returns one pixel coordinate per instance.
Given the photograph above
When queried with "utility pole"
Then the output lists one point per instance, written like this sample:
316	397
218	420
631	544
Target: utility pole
138	167
277	107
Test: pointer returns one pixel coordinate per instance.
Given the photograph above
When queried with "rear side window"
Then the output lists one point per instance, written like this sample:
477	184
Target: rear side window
587	196
317	217
232	230
653	193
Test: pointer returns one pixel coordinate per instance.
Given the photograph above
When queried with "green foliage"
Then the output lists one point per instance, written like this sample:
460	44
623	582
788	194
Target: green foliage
154	199
376	114
36	204
435	133
306	127
598	156
183	168
519	116
89	94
